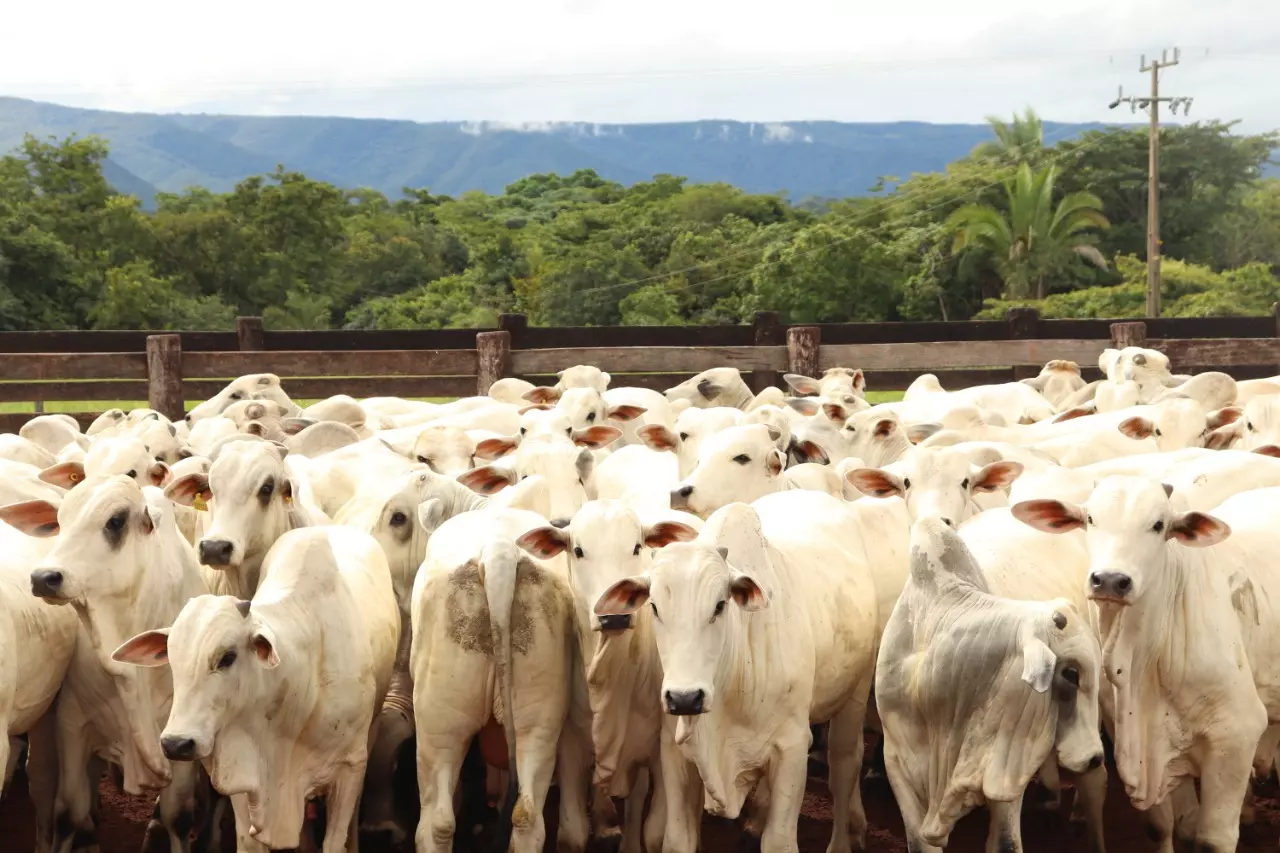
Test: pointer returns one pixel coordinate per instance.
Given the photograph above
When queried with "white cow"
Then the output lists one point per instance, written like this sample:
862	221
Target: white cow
976	692
1163	581
258	386
316	646
762	628
1013	401
1057	382
939	482
692	427
835	382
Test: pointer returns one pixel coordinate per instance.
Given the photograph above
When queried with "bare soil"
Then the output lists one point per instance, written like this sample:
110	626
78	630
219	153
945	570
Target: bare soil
124	820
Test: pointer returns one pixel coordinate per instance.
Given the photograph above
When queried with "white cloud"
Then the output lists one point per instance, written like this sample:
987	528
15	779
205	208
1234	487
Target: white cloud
664	60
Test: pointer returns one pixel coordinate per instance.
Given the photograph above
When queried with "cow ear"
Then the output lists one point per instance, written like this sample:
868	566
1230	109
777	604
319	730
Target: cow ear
997	475
65	476
542	394
775	462
1222	417
190	490
1036	382
626	596
884	427
34	518
800	383
265	648
149	520
1137	427
1038	663
150	648
626	413
664	533
709	390
917	433
160	474
659	438
493	448
859	382
804	405
1222	437
747	594
431	514
875	482
487	479
807	451
1268	450
537	407
1198	530
293	426
596	437
544	542
835	412
1049	516
1078	412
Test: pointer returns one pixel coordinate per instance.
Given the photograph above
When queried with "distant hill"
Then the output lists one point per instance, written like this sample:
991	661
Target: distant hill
804	159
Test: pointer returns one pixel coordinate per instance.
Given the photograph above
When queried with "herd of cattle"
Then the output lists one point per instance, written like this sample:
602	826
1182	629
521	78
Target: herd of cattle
659	598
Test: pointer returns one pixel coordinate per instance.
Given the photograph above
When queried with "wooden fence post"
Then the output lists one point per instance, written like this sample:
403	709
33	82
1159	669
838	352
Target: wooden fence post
249	335
767	331
1128	335
164	375
803	343
494	349
1024	324
1275	312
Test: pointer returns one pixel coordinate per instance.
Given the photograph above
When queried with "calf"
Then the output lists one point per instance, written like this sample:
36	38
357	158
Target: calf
258	386
1057	382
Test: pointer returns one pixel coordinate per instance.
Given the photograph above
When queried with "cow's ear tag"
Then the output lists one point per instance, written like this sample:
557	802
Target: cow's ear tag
199	504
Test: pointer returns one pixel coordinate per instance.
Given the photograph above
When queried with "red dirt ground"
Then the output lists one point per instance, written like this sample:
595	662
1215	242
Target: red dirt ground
124	820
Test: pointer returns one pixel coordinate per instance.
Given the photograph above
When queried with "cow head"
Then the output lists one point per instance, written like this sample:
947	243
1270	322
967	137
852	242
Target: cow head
936	482
739	464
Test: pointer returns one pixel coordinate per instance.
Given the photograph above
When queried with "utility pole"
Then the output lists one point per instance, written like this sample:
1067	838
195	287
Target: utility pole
1152	106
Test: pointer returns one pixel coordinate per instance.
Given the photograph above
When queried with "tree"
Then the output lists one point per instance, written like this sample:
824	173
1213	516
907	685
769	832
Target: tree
1034	239
1017	141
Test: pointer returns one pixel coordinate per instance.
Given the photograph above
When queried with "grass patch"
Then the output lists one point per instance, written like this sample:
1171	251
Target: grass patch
874	397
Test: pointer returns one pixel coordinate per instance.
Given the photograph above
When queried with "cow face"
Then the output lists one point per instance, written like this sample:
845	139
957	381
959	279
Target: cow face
447	450
102	526
875	436
696	598
738	465
583	376
936	482
1077	673
720	386
108	457
692	428
219	656
1127	522
264	386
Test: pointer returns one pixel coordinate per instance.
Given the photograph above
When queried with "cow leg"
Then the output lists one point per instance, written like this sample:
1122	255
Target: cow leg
787	776
245	843
1052	782
633	814
909	803
439	760
1005	832
341	804
42	776
77	785
1091	796
573	769
1159	827
177	804
683	787
655	822
844	757
1222	787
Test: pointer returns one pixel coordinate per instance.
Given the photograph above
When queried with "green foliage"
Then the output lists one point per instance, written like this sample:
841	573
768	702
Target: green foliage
1011	221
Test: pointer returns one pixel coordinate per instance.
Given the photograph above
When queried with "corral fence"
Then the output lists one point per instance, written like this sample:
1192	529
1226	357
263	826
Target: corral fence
167	370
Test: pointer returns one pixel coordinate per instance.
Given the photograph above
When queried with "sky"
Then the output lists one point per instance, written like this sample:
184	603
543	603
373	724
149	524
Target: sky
660	60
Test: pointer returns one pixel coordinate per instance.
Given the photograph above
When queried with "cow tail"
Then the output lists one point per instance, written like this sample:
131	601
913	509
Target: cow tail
500	562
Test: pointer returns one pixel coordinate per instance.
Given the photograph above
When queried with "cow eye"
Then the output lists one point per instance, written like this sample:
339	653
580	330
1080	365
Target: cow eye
742	459
423	460
266	490
655	611
1158	433
236	396
116	522
1249	425
1157	527
965	483
523	430
159	458
684	436
569	432
398	519
1088	519
591	417
577	551
719	607
906	483
133	472
1071	675
636	551
227	659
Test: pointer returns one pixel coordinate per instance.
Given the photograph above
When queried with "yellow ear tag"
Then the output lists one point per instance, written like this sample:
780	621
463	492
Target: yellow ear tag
288	499
199	504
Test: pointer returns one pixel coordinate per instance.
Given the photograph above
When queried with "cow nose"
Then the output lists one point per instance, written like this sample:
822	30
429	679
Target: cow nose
684	703
215	552
46	583
177	748
1095	762
560	523
615	622
1110	585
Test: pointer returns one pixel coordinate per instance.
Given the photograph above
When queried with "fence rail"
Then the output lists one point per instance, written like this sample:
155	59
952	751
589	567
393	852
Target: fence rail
167	370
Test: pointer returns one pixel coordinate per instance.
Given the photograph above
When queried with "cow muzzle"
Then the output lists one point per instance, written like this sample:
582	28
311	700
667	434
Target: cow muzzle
46	583
1110	586
178	748
685	703
680	497
216	552
615	622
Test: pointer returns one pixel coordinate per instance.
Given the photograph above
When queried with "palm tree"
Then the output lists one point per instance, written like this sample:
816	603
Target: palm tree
1034	240
1019	140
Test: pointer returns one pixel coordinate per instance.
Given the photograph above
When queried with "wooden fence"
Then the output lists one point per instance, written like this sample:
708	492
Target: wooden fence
167	370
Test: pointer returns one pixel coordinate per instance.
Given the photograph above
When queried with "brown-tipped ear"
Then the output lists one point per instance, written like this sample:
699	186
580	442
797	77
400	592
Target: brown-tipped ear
1222	437
34	518
859	381
544	542
159	474
835	412
997	475
65	475
1268	450
293	426
189	489
659	438
917	433
1137	427
801	384
875	483
624	413
804	405
542	394
596	437
1198	530
265	649
664	533
1077	412
775	462
1049	516
487	479
537	407
807	451
493	448
747	594
626	596
1222	417
150	648
884	427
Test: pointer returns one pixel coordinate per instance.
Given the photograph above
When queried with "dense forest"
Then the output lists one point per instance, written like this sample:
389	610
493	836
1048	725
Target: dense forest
1060	227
